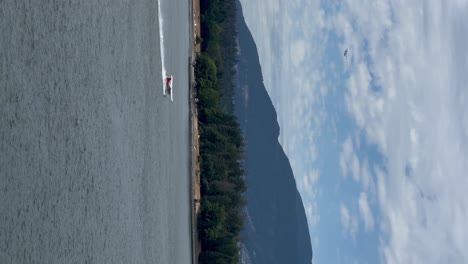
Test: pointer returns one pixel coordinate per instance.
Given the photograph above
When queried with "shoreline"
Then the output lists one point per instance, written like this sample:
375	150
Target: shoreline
194	31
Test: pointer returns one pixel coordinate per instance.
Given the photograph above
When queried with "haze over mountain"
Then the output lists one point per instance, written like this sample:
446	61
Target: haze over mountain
276	230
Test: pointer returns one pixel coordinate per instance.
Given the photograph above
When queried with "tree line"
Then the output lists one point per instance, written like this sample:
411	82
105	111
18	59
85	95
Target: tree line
218	30
221	143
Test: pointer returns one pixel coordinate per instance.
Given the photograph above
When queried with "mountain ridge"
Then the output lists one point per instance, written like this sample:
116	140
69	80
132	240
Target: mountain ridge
278	232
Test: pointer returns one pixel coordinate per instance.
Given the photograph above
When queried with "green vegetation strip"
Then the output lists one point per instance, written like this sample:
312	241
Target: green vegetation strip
221	143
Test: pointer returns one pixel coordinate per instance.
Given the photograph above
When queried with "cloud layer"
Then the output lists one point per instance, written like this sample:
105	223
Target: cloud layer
406	92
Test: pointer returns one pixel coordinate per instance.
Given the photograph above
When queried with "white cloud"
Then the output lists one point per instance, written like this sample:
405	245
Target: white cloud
307	186
311	214
367	181
344	216
349	222
346	152
349	161
365	212
297	52
359	170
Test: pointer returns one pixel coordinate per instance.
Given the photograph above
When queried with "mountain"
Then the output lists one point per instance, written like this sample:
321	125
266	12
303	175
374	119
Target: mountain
276	229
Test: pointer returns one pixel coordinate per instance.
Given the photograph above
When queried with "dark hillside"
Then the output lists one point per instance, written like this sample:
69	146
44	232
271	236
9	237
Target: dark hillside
278	232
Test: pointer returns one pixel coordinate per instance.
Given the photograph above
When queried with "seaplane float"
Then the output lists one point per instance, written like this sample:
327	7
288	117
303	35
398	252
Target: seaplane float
167	87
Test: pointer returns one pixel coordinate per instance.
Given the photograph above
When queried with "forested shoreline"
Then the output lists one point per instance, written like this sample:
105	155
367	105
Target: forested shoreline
221	144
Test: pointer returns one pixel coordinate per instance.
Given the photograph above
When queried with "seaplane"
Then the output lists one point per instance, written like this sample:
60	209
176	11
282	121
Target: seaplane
167	89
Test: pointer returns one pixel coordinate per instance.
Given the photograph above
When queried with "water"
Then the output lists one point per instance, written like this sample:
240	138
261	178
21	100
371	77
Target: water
93	158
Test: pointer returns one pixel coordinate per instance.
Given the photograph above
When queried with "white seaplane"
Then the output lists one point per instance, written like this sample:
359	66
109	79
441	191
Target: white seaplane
167	87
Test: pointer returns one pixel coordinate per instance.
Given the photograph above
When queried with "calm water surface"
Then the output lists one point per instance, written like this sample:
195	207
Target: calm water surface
93	159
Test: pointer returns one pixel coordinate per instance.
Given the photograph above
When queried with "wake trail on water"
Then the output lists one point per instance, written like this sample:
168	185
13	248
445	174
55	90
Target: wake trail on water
161	44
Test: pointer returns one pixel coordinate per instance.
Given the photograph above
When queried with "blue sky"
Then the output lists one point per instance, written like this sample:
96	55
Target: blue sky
379	142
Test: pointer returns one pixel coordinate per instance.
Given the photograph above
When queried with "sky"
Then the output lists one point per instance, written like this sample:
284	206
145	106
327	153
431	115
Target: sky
378	142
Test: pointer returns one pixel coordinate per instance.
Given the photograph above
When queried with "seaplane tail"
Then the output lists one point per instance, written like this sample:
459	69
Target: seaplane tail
168	87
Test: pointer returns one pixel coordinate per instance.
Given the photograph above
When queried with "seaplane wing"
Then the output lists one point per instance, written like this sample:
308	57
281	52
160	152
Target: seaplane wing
172	90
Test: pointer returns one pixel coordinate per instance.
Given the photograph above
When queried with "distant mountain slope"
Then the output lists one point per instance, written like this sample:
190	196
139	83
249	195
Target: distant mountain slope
277	230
